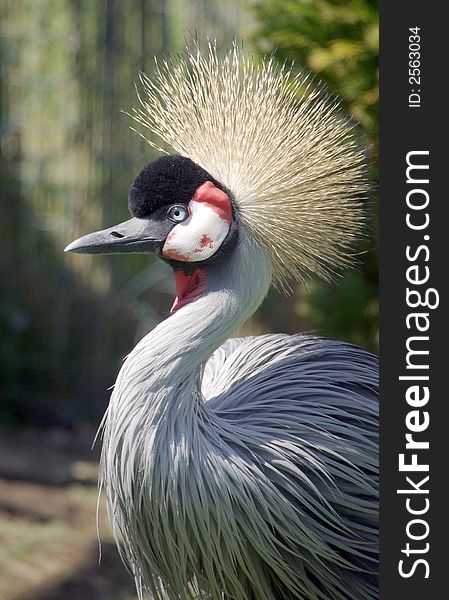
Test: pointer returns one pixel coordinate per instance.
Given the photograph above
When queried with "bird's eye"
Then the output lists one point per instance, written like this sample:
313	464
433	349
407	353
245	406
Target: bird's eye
178	213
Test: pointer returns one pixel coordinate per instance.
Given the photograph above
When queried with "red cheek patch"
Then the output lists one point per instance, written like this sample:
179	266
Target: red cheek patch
216	199
205	242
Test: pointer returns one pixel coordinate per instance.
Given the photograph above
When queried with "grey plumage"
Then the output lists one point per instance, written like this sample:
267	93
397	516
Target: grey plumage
242	469
253	476
282	482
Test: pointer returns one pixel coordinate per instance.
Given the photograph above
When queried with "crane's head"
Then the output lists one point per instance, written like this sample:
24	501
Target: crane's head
180	213
257	149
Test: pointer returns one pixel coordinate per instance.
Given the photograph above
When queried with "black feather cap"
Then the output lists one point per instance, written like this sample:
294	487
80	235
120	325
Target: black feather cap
170	179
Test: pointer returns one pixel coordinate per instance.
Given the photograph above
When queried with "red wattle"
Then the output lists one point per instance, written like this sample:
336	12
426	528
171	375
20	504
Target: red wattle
188	287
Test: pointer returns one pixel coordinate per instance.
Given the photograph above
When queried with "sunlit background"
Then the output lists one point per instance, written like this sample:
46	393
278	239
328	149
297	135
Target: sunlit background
67	158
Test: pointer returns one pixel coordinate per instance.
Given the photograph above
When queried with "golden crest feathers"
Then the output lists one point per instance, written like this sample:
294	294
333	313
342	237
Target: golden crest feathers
291	161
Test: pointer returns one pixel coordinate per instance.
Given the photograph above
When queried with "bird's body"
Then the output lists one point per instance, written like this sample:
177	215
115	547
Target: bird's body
241	469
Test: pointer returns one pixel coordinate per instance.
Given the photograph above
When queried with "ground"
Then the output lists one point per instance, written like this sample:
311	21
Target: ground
48	539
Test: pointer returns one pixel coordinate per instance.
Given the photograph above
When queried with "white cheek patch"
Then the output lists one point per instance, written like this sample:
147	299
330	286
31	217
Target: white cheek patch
199	236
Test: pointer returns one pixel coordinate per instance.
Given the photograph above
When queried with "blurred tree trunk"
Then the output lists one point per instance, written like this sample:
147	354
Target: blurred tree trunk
13	223
165	28
143	35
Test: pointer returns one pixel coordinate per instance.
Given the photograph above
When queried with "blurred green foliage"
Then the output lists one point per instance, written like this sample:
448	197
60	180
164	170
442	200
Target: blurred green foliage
338	41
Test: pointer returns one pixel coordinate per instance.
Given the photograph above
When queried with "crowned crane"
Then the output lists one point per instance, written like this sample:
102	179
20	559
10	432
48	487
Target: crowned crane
244	468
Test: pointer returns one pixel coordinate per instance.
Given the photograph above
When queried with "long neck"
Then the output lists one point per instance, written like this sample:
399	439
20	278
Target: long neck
163	371
154	427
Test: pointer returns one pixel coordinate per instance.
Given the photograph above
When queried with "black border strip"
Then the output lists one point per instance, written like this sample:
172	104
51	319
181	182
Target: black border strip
407	128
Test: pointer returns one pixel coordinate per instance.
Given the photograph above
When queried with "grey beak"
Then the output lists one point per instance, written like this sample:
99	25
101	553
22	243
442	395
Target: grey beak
134	235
